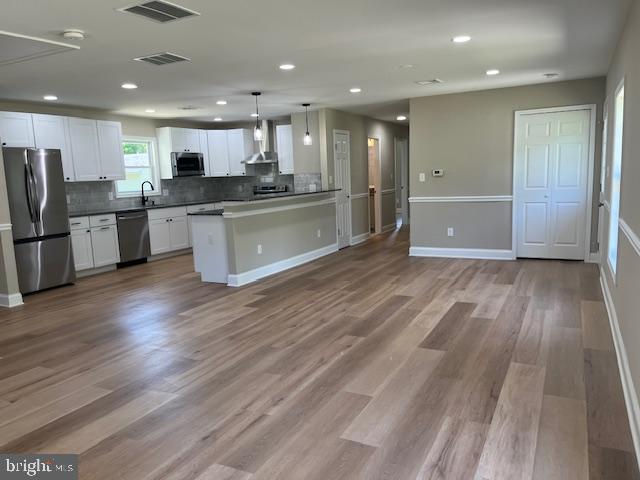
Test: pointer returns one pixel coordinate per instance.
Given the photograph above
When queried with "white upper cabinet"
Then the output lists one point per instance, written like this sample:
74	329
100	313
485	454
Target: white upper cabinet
83	134
204	149
110	148
16	129
240	141
52	131
284	138
218	153
185	140
171	140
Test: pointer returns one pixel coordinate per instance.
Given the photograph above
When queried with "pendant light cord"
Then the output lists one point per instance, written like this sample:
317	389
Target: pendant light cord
306	114
257	114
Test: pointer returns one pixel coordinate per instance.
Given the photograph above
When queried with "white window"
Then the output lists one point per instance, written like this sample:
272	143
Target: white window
616	177
140	164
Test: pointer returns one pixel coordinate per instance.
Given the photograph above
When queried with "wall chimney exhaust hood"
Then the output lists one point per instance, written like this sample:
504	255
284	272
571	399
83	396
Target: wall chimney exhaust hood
265	155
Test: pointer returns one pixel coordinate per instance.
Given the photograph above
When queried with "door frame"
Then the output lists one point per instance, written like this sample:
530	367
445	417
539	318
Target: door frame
404	177
377	196
519	114
347	182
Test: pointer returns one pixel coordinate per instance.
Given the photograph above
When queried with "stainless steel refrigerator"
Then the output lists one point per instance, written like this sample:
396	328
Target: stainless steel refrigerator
39	218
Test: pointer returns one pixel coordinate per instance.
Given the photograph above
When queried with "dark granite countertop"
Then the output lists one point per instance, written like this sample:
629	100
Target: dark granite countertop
267	196
210	213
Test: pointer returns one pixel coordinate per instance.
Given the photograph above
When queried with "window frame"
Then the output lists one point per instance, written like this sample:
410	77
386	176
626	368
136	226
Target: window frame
617	146
155	168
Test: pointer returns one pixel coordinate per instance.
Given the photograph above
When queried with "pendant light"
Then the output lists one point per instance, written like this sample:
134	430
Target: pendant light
307	136
258	135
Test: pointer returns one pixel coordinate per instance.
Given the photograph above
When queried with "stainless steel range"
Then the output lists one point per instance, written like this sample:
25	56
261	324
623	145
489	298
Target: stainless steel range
267	189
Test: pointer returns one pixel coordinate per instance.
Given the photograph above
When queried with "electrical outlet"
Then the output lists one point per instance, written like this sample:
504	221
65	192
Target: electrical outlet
318	233
69	199
259	249
423	177
450	232
110	195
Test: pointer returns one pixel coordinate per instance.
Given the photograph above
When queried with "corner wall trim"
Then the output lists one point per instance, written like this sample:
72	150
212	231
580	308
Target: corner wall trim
10	301
388	228
630	395
475	253
462	199
630	234
363	237
5	227
237	280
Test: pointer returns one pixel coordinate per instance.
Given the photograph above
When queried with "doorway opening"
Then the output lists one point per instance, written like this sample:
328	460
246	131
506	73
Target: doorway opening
375	185
402	181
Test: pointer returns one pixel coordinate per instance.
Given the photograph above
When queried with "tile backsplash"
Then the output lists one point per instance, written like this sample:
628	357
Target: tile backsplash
92	196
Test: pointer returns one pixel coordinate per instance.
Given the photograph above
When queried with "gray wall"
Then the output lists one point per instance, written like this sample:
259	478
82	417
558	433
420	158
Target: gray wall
624	289
470	136
282	234
307	157
361	128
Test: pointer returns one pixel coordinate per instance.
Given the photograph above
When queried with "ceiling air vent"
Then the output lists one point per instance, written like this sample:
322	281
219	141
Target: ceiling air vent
159	11
435	81
163	58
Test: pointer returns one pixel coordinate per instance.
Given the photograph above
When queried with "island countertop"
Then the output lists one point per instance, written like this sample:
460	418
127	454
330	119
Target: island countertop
216	212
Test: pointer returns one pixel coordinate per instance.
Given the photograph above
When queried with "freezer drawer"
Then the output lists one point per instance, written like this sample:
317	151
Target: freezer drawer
44	264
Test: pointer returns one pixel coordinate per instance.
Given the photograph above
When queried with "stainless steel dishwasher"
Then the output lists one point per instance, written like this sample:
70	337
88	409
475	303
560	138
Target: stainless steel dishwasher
133	236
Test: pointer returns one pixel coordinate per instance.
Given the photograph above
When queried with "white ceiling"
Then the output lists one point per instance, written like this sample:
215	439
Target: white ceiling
236	47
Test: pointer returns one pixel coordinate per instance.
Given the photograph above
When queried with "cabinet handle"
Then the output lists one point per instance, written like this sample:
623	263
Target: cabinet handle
104	219
88	231
76	223
105	228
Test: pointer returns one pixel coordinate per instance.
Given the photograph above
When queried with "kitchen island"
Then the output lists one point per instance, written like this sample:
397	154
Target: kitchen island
255	237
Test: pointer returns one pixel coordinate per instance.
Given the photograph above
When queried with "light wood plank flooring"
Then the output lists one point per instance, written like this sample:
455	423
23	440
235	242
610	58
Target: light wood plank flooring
366	364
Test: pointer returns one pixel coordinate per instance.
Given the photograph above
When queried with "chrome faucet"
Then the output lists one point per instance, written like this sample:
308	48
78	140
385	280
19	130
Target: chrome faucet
145	199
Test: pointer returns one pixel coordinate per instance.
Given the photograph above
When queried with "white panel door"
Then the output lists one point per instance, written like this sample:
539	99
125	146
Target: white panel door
16	129
83	135
104	241
341	149
178	233
52	131
218	153
552	161
82	250
110	147
284	138
159	236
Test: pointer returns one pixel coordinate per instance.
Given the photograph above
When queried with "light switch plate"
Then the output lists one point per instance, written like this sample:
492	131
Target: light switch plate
423	177
450	232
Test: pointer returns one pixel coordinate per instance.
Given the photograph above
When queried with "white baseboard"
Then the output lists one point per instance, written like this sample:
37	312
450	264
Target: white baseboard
389	228
237	280
630	393
10	301
593	258
478	253
363	237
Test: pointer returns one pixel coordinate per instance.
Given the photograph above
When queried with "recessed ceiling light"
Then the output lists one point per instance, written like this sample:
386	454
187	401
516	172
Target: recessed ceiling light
150	110
434	81
254	115
401	118
129	86
217	119
551	75
287	66
493	71
461	39
407	65
221	102
355	90
50	98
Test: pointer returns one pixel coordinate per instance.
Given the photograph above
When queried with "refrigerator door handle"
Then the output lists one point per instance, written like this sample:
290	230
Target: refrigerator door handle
28	185
35	194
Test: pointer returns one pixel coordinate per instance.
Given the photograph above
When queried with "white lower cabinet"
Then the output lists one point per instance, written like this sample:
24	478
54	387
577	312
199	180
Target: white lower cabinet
94	241
82	250
104	241
168	230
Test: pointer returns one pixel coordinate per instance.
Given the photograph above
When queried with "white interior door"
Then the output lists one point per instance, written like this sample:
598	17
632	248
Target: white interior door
402	162
551	181
341	155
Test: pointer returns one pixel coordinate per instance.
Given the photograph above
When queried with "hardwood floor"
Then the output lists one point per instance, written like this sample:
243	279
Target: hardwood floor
366	364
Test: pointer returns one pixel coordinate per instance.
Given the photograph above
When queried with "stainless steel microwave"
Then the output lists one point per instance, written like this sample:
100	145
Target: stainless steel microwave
187	164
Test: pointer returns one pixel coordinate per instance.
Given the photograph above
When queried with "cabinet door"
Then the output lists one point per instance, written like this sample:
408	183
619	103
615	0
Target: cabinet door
159	236
16	129
82	250
192	139
285	149
204	149
178	139
111	154
104	241
179	233
52	131
237	152
83	135
218	153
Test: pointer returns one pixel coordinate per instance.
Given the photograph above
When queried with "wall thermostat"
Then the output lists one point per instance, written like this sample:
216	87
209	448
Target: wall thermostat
437	173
